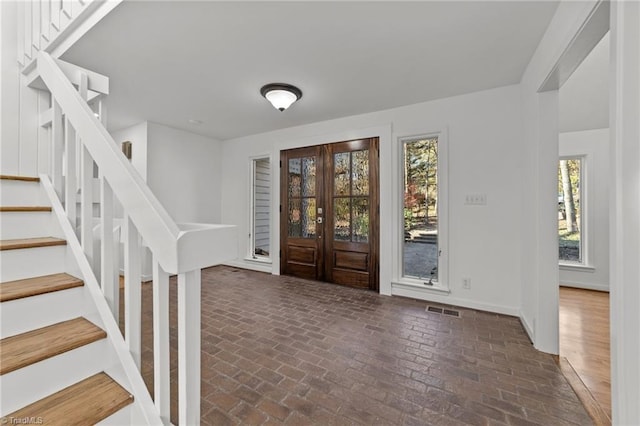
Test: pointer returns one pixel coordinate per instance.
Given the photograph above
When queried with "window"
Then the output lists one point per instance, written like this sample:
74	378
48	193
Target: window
570	212
422	211
259	235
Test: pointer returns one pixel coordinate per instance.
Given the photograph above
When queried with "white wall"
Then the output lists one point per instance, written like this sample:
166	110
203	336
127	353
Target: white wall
593	146
485	152
138	136
184	173
540	274
584	97
9	89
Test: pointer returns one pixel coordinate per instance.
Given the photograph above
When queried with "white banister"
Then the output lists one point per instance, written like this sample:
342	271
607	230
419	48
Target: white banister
132	291
151	219
189	347
161	354
176	249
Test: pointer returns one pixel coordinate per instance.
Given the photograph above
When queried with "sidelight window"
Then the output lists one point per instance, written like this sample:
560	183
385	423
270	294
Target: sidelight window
260	240
422	210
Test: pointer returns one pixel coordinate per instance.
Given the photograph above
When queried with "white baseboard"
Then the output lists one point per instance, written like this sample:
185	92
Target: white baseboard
527	327
429	296
145	277
253	266
585	286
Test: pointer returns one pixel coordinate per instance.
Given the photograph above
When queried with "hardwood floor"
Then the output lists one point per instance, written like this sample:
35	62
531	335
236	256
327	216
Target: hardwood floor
584	340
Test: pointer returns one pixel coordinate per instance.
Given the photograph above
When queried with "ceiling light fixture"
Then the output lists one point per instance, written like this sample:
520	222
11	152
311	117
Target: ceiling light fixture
281	95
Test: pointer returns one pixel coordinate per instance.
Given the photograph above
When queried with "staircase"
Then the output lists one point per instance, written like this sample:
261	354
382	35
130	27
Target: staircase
63	359
56	363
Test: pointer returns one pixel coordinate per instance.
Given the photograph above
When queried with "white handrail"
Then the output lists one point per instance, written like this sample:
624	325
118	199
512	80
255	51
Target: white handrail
155	225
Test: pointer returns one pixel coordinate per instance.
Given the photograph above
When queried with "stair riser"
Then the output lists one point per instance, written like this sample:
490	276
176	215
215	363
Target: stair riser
32	262
43	378
122	417
19	193
14	225
51	308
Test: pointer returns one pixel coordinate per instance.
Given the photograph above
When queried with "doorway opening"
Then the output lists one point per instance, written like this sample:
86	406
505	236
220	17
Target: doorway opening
329	213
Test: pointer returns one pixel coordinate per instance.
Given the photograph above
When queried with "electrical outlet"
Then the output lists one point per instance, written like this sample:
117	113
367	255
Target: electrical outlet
466	283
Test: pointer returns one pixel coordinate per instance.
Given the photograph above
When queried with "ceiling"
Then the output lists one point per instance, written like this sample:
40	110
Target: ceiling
171	62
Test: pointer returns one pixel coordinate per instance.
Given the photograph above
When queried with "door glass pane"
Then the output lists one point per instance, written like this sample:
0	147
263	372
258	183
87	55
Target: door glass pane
341	219
360	231
360	172
420	254
295	222
341	169
308	176
308	218
295	177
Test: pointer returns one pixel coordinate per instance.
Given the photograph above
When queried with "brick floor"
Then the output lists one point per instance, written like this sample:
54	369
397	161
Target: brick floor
282	350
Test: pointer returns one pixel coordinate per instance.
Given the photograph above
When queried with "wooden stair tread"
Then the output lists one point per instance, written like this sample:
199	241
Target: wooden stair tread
18	289
25	209
84	403
23	178
33	346
23	243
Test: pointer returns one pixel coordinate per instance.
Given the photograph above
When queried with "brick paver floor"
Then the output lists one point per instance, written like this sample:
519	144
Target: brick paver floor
283	350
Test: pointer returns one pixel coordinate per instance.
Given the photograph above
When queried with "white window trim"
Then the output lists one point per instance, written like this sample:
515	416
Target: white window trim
585	248
442	285
251	257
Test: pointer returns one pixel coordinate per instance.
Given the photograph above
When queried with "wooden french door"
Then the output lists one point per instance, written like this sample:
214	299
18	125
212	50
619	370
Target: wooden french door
329	212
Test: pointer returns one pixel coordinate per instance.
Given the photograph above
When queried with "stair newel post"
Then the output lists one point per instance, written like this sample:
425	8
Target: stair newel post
132	290
161	379
70	175
189	285
57	142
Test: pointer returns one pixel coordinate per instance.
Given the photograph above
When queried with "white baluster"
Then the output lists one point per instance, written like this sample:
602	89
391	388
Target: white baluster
57	143
45	148
189	348
56	9
132	289
86	205
70	178
108	281
28	33
161	380
46	20
36	23
117	231
21	29
86	178
67	12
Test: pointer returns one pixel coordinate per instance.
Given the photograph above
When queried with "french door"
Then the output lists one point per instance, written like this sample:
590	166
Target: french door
329	212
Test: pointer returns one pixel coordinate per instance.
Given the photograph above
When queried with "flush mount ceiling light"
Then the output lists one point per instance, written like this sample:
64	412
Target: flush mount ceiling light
281	95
